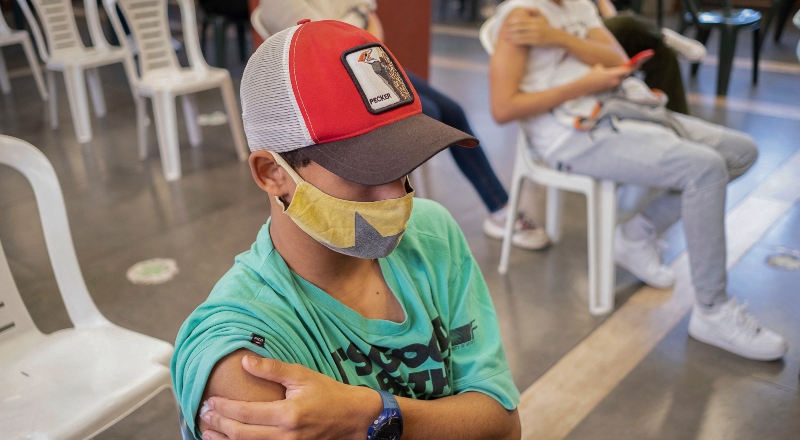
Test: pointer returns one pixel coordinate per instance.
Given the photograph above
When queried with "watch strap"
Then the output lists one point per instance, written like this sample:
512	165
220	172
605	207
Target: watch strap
389	401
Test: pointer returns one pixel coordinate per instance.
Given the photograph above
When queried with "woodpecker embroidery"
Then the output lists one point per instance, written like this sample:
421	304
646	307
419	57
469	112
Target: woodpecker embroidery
385	69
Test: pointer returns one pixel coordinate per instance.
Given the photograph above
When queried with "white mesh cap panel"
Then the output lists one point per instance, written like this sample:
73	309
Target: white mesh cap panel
272	118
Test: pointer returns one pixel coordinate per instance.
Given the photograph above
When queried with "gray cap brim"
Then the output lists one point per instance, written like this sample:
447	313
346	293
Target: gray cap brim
390	152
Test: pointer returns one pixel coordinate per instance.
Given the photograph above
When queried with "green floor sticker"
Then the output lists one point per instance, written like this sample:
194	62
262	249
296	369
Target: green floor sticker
155	271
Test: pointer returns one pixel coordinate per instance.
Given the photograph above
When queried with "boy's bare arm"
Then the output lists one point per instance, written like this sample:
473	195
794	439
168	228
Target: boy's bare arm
280	400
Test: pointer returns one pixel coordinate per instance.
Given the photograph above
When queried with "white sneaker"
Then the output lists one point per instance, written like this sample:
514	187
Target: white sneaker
642	258
685	47
527	234
733	329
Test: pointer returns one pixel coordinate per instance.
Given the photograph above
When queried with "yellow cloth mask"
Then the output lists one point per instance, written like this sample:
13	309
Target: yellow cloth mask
360	229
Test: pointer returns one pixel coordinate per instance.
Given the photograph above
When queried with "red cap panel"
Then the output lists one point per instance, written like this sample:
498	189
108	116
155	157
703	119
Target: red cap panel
321	82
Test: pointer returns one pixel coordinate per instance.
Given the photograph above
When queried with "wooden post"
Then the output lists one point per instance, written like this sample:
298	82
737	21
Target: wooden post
407	26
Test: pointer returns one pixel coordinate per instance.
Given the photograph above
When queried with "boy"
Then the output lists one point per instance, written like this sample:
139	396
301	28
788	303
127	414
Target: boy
359	312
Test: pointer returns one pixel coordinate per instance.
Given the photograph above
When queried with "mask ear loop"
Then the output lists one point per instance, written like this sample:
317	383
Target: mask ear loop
282	163
296	177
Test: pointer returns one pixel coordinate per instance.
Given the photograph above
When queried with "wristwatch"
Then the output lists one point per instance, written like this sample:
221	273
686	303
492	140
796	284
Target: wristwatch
389	424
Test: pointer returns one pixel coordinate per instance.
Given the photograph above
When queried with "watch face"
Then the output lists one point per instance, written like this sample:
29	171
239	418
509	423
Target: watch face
391	429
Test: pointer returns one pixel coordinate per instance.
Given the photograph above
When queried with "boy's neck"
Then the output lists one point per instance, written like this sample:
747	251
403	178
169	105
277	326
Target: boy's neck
355	282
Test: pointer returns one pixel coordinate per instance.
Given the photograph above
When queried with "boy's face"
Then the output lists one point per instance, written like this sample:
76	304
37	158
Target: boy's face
341	188
277	182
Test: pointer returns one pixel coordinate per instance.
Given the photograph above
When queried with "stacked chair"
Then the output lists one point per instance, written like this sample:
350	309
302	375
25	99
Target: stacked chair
66	53
161	78
10	37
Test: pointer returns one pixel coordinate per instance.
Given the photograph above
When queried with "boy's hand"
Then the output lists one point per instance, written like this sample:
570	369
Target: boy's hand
531	29
602	78
316	407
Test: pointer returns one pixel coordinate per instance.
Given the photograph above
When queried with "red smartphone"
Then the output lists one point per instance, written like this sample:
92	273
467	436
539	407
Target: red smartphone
640	58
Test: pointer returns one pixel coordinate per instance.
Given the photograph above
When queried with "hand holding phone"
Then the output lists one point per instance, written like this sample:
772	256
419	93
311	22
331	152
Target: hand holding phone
636	61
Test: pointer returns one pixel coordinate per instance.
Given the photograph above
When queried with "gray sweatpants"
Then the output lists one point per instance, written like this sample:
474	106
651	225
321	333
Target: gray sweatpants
693	172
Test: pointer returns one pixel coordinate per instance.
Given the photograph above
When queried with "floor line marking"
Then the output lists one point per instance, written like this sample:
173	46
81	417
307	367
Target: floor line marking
570	390
783	111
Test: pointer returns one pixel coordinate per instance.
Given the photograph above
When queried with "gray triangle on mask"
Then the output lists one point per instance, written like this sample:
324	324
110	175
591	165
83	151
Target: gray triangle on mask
369	242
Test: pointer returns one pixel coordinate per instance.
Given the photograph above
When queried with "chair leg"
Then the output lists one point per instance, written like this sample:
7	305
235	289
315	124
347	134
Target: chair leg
783	15
78	103
167	132
96	91
234	119
203	34
37	72
727	49
189	104
756	52
702	36
607	206
240	35
553	214
592	244
5	84
142	121
219	40
511	218
53	95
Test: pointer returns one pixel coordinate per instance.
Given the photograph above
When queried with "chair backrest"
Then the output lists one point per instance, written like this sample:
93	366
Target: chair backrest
4	29
258	25
14	317
149	25
486	34
796	21
58	21
29	161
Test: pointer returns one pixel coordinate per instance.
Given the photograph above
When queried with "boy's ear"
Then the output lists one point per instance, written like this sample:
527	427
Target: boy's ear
269	176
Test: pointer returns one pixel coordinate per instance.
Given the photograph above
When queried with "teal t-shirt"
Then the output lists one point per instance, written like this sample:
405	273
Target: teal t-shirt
448	344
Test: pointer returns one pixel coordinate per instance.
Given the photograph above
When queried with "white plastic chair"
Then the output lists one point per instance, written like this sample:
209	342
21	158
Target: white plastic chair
601	209
73	383
9	37
258	25
796	21
161	78
66	53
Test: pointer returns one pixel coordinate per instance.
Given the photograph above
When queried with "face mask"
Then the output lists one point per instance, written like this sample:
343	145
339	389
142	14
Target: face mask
360	229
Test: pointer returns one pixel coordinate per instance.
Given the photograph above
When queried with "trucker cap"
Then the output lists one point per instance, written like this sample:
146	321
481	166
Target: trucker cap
336	91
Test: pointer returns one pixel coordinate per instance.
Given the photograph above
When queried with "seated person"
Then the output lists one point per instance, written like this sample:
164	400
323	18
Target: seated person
473	163
572	65
636	34
354	292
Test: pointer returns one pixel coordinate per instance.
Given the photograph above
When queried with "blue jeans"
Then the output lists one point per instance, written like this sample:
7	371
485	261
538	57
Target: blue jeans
472	161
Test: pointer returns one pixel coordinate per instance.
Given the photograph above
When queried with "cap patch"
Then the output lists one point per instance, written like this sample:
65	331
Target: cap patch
378	79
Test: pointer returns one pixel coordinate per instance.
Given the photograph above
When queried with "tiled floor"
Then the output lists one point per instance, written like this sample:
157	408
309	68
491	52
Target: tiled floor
122	211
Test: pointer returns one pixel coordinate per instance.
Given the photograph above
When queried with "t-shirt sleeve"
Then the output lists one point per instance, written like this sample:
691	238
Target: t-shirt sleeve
591	15
478	359
210	333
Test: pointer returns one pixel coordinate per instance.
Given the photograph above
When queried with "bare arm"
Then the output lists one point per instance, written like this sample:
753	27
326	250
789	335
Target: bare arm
229	380
508	103
606	8
317	407
528	27
469	415
374	25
